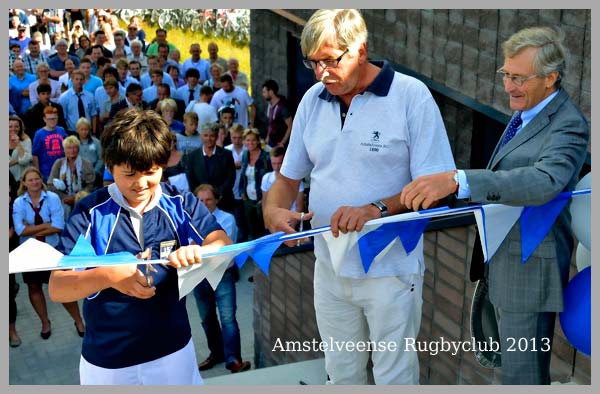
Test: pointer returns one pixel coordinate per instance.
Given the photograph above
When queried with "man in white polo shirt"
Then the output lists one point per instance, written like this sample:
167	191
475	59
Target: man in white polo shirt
362	133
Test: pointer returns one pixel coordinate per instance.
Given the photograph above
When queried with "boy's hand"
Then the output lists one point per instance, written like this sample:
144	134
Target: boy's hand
185	256
128	279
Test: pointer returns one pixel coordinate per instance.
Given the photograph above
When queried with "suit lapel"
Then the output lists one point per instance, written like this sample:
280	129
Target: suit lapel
537	124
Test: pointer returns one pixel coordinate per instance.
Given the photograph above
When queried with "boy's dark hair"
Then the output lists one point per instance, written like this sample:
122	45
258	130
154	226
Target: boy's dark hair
43	87
205	90
133	87
192	72
137	138
227	110
271	85
226	78
277	151
103	61
110	71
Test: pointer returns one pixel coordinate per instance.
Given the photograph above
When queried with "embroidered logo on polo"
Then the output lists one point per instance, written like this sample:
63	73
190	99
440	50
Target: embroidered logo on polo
374	143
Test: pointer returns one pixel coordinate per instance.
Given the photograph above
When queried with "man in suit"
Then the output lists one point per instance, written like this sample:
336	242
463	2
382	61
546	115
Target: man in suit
133	98
213	165
163	91
540	155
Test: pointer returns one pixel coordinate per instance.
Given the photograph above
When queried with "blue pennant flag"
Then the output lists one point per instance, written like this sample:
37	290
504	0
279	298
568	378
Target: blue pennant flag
374	242
262	251
536	222
83	254
82	247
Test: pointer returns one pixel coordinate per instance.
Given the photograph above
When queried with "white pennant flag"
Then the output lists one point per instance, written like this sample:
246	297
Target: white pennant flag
494	221
211	268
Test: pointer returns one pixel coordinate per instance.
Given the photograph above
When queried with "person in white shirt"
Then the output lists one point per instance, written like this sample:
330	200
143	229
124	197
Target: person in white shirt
362	124
206	112
277	154
238	148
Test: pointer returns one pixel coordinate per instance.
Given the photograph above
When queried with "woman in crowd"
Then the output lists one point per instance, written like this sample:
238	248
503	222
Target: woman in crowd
215	74
255	164
13	242
167	108
38	213
19	147
84	44
71	174
173	72
66	77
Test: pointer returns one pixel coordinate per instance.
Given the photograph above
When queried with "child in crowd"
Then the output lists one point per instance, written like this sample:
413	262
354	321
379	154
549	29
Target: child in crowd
138	330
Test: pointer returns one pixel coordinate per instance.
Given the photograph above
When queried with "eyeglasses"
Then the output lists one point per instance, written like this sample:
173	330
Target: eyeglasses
53	119
517	80
327	63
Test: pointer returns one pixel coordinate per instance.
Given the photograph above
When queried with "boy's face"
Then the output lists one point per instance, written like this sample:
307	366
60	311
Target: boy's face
227	118
276	163
137	187
237	140
190	124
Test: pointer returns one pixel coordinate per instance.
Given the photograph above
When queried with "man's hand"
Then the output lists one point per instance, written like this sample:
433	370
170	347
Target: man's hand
426	190
280	219
352	218
128	279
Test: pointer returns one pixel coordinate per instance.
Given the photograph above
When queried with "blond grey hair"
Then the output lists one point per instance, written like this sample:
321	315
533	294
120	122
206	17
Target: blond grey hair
552	54
345	28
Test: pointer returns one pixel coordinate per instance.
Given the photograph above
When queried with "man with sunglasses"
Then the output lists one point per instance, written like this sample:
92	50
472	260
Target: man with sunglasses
362	133
539	155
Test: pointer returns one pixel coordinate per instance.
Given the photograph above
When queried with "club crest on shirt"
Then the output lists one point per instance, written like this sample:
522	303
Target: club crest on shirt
166	247
374	144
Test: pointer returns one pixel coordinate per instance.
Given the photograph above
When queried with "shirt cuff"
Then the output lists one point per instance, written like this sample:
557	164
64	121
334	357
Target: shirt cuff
464	191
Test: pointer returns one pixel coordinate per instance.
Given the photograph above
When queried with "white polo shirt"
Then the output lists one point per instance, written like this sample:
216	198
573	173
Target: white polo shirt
393	133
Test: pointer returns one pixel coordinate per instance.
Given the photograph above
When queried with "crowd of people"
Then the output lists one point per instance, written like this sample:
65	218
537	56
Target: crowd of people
143	168
72	71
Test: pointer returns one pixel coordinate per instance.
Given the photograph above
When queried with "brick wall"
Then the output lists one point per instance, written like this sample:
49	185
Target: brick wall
283	308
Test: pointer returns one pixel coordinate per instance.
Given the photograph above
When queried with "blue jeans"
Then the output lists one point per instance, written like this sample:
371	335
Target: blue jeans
224	339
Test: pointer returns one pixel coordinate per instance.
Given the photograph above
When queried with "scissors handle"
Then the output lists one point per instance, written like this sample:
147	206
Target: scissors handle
301	228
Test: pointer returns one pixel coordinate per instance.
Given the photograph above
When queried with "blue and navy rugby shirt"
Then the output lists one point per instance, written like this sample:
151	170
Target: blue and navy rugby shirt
121	330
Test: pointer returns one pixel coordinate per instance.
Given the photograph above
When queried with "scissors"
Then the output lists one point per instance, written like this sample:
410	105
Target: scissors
149	267
298	242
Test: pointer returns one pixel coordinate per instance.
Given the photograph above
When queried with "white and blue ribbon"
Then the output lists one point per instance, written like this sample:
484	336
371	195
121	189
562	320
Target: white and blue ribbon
494	221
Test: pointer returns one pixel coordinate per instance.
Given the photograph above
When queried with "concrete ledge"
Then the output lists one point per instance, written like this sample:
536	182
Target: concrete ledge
311	372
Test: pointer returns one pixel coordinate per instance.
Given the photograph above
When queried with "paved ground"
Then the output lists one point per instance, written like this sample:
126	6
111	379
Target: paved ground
56	360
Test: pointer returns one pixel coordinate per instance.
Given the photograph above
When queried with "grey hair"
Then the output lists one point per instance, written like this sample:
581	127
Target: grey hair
552	54
345	28
42	64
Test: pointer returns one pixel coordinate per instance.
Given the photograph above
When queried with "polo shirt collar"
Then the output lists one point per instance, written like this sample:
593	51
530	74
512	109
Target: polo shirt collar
380	85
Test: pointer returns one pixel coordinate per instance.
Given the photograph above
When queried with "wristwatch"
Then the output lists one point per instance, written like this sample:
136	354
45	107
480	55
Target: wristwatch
382	207
455	177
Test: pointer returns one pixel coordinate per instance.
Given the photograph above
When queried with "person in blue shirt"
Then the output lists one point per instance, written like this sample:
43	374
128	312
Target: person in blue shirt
38	213
47	143
223	338
19	84
138	330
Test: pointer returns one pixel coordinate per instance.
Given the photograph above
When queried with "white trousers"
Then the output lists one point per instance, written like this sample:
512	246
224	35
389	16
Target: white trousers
382	310
176	368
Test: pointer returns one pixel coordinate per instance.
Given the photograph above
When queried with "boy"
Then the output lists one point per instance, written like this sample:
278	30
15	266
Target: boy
137	329
189	139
